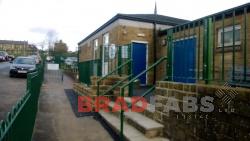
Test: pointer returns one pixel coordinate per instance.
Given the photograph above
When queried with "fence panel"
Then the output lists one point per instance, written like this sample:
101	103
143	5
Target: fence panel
19	124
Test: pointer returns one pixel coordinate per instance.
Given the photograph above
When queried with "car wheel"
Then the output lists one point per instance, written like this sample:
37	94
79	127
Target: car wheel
11	75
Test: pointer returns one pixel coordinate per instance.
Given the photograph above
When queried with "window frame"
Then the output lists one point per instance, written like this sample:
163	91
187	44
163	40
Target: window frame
106	39
227	29
95	44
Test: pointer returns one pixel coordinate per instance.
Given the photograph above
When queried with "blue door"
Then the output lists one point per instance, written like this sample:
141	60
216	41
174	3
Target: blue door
139	60
184	60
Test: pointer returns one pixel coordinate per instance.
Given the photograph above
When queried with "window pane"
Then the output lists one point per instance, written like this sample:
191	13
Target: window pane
228	37
237	35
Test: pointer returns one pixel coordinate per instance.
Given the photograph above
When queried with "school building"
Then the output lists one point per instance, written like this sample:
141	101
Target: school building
170	59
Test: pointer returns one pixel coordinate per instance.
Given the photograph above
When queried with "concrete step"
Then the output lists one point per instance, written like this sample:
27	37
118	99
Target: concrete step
149	111
130	133
147	126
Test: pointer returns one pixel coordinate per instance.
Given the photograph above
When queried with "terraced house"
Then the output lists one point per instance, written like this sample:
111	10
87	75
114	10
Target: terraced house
17	48
168	58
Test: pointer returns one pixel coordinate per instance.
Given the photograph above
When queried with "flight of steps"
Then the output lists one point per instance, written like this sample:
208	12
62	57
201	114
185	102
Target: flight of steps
137	126
91	90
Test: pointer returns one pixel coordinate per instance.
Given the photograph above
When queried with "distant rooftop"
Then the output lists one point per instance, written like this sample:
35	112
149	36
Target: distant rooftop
149	18
13	42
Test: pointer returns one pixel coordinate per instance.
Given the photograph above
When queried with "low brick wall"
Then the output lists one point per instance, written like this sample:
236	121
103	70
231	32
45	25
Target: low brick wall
227	122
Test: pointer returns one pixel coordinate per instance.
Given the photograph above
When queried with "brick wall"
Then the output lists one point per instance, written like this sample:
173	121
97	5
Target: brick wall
18	49
230	125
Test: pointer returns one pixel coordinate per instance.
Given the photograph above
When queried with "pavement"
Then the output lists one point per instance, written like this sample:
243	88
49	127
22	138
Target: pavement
56	120
11	89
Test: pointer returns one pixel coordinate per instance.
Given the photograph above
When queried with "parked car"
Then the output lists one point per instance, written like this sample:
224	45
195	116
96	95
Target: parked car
4	56
22	66
11	57
70	60
36	57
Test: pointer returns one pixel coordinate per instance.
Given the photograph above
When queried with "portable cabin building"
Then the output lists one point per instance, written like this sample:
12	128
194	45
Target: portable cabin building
128	35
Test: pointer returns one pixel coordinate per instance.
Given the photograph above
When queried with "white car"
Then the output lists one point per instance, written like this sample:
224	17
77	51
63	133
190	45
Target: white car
70	60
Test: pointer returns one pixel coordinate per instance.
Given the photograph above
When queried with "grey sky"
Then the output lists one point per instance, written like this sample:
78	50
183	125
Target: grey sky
75	19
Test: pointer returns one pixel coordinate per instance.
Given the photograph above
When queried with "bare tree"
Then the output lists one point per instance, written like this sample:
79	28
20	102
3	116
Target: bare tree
60	47
51	38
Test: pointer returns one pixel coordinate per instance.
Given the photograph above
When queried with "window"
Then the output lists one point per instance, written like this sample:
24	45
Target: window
106	47
106	39
105	54
95	48
95	44
228	36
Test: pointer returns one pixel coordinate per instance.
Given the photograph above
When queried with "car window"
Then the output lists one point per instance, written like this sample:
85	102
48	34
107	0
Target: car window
28	61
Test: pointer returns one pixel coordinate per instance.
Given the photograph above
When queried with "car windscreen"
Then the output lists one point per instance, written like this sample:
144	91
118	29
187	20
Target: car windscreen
28	61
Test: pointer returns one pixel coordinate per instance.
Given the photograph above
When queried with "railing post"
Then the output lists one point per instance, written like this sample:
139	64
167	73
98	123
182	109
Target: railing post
223	47
130	69
98	86
169	54
119	59
245	44
233	65
100	61
122	117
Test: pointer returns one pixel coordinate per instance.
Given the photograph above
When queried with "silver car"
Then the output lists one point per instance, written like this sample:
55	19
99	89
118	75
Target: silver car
22	66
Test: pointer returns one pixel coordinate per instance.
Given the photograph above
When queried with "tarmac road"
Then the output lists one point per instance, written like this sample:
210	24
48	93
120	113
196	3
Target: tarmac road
11	89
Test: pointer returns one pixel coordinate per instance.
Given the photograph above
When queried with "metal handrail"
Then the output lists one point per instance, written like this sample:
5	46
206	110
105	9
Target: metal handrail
116	69
148	69
143	95
147	92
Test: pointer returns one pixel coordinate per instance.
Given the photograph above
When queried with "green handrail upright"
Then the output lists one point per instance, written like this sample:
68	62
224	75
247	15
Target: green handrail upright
143	95
207	50
169	64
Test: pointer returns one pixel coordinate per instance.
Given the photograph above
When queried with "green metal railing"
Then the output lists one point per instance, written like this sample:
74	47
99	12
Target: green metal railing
127	63
213	63
143	95
19	123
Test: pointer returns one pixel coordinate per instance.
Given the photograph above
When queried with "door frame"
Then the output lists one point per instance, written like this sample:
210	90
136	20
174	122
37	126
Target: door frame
146	43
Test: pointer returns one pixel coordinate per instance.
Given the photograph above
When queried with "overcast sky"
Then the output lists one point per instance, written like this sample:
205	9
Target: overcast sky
73	20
